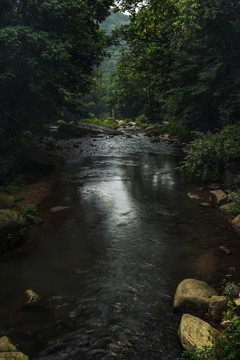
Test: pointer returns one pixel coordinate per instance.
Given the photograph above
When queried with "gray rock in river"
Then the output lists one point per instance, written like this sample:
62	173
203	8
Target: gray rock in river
193	297
232	289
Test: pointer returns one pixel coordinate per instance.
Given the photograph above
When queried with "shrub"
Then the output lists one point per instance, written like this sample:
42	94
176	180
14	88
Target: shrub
29	210
234	208
15	186
175	129
207	155
142	119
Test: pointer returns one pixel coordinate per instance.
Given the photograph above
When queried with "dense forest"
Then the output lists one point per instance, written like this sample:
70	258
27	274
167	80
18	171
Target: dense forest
174	61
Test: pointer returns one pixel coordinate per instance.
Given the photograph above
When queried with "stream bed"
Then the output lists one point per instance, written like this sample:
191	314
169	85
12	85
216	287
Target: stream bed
108	265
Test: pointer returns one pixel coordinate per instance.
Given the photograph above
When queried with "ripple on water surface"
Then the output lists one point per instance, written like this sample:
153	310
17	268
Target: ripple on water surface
109	264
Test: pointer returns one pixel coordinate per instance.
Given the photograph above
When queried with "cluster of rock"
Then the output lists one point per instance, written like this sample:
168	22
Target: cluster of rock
220	199
195	299
157	135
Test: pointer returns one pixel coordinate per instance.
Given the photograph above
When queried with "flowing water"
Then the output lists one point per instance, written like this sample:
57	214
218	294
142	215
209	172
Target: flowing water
108	265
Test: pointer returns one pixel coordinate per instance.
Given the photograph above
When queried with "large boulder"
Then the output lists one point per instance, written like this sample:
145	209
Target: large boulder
195	332
8	351
217	306
218	197
193	296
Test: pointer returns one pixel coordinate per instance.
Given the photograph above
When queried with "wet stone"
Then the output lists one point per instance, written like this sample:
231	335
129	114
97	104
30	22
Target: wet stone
193	196
225	250
218	197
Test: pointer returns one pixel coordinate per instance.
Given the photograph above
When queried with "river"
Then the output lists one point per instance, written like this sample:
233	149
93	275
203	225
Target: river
109	264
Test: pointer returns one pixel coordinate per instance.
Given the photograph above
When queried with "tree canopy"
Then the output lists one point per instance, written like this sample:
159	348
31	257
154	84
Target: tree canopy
48	51
184	58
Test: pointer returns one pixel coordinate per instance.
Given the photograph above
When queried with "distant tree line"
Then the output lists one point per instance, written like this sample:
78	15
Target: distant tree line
182	62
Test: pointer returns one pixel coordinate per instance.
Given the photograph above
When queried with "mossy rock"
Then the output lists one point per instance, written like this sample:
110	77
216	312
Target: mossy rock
6	345
6	201
13	355
9	352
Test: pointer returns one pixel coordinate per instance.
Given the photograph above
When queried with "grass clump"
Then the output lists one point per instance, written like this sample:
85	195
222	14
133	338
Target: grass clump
234	208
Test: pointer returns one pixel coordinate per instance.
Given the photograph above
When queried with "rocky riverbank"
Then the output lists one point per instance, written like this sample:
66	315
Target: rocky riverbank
205	312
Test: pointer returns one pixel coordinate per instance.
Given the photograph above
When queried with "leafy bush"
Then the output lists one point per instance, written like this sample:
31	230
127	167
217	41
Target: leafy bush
207	155
142	118
175	129
29	210
15	186
234	208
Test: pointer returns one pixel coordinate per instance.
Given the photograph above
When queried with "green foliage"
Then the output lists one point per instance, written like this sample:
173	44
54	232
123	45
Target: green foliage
15	186
142	119
182	62
175	129
107	122
15	237
49	49
103	97
234	208
29	210
207	155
